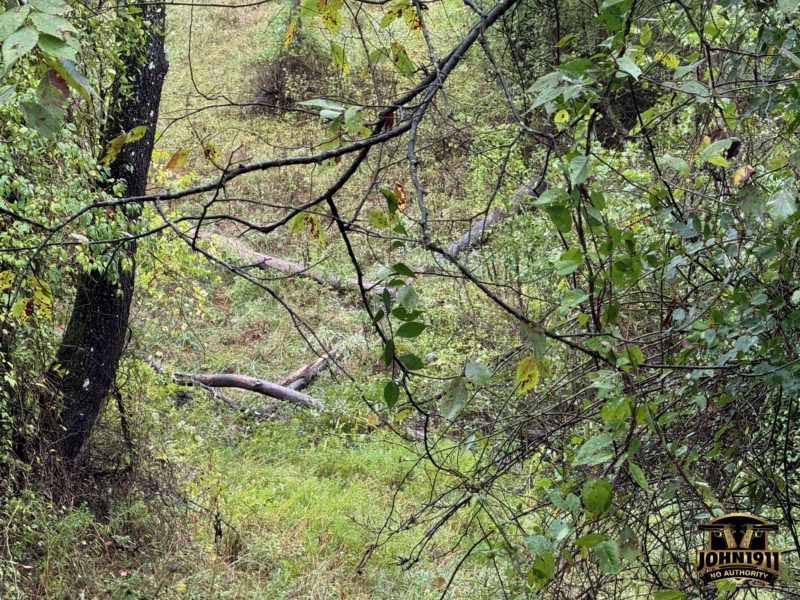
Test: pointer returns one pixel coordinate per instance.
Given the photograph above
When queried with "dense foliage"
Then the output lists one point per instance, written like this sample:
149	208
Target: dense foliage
546	252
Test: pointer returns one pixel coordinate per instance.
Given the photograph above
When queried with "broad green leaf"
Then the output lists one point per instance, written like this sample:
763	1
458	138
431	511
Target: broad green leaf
608	554
391	392
53	25
411	330
627	65
18	44
53	7
787	7
11	20
75	78
579	169
527	374
669	595
53	92
569	262
455	399
388	353
407	297
645	35
411	361
322	103
596	495
544	566
353	120
403	269
638	476
400	59
339	58
561	217
596	450
634	355
56	47
476	373
40	119
6	93
782	205
590	540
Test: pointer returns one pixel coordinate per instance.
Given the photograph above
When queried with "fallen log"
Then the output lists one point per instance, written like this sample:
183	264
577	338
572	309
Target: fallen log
305	374
479	232
252	384
267	262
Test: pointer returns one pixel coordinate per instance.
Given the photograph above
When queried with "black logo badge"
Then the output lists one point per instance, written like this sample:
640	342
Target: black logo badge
738	548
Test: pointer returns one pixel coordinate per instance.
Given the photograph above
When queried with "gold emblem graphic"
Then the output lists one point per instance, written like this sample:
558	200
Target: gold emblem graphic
738	548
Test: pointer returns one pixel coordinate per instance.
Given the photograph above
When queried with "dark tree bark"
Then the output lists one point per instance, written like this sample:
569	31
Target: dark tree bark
95	337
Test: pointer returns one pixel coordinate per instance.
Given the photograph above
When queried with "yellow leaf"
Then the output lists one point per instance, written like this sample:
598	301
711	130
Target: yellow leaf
177	161
562	116
400	195
668	60
211	152
289	36
312	221
743	175
113	150
135	134
527	375
6	279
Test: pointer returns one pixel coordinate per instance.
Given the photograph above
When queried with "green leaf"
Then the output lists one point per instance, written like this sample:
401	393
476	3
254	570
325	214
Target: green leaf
400	59
455	399
407	297
353	120
638	476
18	44
7	92
56	48
322	103
570	261
596	496
53	7
782	205
787	7
590	540
645	35
40	119
391	393
608	554
388	353
669	595
527	374
340	58
476	373
544	566
75	78
627	65
403	269
596	450
634	355
561	217
411	330
579	169
411	361
11	20
53	25
53	92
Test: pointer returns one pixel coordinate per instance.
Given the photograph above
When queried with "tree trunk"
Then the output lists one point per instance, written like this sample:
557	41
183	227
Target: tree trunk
94	340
